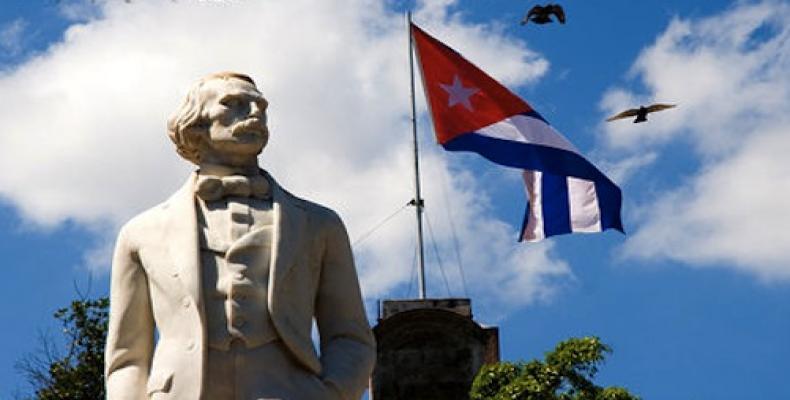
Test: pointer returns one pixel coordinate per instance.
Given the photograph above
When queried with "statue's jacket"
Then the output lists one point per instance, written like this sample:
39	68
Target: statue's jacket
156	285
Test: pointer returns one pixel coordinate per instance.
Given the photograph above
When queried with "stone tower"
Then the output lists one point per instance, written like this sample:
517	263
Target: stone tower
429	349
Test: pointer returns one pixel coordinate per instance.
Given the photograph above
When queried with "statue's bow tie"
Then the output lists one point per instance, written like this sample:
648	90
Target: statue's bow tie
211	188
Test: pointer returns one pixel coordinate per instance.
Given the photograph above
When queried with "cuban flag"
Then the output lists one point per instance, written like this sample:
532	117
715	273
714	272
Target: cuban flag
473	112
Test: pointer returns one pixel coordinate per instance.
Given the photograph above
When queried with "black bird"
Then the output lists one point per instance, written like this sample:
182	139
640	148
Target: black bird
542	14
641	112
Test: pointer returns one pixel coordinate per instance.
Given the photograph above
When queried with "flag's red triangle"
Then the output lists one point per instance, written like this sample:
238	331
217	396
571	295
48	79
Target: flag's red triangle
462	98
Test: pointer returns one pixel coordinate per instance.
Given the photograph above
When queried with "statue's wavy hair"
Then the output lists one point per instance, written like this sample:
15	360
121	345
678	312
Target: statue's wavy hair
188	124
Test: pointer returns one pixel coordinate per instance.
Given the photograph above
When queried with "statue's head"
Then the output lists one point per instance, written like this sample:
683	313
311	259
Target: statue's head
223	118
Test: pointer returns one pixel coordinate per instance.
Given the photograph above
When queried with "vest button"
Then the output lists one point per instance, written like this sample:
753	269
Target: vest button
185	302
191	345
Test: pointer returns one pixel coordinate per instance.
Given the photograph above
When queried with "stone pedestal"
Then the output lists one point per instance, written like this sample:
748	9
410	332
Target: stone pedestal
429	350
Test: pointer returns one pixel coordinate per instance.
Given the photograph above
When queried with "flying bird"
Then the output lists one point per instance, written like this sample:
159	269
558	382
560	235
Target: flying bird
542	14
641	112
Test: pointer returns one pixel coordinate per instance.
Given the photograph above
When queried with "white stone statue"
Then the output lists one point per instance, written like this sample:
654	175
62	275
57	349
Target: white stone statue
230	273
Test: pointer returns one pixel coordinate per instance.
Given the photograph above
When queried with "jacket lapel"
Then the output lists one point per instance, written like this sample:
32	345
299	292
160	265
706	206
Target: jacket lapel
289	225
182	239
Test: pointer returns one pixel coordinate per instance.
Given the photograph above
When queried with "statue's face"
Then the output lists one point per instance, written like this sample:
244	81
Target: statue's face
236	112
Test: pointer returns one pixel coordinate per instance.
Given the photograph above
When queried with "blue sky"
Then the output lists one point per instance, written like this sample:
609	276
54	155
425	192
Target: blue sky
694	300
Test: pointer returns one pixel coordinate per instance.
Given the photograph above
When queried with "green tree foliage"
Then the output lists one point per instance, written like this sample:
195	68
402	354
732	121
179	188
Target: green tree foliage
566	373
77	374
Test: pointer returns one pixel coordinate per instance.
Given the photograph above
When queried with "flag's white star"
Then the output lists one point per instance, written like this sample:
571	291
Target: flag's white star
459	94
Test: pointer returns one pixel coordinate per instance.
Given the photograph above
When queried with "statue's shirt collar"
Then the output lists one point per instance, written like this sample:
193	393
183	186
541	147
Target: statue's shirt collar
224	170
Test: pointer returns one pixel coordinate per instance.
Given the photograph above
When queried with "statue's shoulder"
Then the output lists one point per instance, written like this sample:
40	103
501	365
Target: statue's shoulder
152	218
318	212
157	215
323	213
148	219
312	208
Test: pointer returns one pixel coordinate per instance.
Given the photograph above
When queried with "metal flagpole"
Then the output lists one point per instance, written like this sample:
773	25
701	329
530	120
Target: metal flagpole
417	202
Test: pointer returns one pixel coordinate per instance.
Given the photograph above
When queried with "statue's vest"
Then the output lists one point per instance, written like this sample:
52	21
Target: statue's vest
235	267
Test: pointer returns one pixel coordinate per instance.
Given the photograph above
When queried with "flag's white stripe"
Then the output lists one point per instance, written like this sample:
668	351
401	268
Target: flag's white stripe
526	129
583	202
533	232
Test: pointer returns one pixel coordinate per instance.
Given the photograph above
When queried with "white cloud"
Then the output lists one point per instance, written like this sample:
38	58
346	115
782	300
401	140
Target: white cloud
729	74
88	143
735	213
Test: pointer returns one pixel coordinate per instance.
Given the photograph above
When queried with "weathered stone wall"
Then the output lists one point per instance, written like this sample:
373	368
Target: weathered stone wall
430	350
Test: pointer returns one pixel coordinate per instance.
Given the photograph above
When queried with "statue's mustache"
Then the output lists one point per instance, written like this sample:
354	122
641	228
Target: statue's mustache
250	124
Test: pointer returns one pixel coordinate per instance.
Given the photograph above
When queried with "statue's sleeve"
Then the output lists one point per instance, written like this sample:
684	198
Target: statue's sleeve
348	349
130	336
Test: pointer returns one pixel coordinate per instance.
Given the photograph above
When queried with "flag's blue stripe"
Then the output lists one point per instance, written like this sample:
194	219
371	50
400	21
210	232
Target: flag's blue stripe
527	156
534	114
548	160
554	203
610	200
